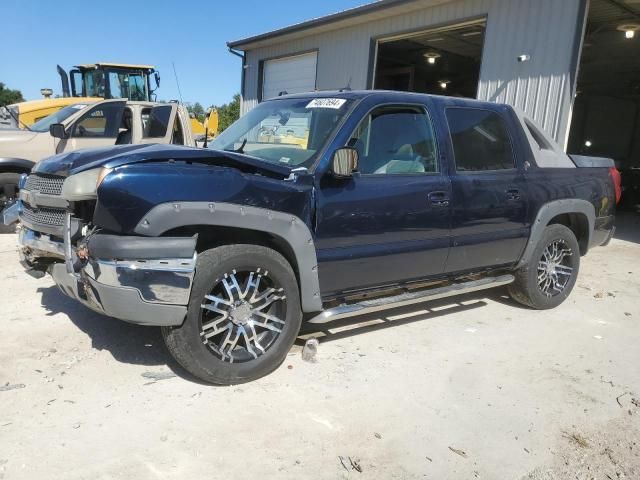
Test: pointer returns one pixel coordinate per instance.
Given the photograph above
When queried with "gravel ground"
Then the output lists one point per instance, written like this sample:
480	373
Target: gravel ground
474	387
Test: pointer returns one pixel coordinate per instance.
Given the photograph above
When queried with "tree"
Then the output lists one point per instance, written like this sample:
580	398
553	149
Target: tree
197	110
8	96
228	113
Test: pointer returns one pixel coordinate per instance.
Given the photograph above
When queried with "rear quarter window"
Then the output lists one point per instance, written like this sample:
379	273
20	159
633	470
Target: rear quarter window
480	140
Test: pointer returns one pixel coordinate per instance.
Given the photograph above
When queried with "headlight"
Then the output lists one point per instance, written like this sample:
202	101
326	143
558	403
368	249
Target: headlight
84	185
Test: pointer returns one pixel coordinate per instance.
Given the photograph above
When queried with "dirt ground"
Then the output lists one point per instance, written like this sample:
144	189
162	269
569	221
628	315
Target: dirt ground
474	387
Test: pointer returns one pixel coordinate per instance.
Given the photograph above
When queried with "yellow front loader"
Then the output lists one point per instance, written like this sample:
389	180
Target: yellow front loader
85	83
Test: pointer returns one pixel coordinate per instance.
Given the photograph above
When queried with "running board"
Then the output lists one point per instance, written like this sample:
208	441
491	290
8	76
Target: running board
409	298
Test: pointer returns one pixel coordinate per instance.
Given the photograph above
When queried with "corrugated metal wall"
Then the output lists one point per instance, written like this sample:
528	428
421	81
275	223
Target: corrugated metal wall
543	29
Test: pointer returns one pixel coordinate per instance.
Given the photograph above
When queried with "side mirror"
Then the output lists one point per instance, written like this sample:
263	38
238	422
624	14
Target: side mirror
344	162
57	130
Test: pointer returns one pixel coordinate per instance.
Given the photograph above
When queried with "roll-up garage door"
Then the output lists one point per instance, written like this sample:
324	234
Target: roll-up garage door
296	74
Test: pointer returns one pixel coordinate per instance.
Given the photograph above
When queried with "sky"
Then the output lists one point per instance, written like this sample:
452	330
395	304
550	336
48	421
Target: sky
39	34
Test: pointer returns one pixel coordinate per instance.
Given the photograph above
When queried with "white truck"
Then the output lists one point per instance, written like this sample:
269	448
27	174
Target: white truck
88	125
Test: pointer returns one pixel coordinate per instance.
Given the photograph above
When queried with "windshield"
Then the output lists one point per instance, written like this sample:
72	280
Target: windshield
57	117
132	85
286	132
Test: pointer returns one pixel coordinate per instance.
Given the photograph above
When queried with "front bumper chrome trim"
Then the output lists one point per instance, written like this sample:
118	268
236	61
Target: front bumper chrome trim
165	281
10	214
118	302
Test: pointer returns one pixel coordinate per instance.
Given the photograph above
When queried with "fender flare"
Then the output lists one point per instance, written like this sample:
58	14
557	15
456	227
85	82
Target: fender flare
287	227
21	164
551	210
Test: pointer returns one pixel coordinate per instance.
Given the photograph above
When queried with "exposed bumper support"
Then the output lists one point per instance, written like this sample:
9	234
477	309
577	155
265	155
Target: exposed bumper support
38	245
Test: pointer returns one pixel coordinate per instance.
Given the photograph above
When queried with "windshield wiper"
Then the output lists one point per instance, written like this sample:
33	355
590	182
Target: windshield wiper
240	149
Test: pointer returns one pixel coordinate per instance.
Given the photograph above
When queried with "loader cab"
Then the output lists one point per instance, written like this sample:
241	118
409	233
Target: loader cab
110	80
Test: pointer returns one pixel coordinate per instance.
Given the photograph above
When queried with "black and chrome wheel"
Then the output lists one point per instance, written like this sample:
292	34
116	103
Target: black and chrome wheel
243	316
554	268
552	271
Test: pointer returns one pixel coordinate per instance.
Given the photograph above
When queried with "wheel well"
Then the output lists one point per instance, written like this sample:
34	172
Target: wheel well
211	236
578	224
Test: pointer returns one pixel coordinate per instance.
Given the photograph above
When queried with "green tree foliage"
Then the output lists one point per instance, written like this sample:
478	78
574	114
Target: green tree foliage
8	96
228	113
197	110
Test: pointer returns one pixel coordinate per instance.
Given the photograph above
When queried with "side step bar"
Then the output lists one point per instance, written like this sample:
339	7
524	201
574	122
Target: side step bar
385	303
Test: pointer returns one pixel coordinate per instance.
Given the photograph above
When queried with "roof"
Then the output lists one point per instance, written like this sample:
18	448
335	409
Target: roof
391	96
120	65
352	16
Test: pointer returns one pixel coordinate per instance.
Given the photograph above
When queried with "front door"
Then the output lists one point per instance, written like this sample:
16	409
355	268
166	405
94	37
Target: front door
99	127
488	195
389	223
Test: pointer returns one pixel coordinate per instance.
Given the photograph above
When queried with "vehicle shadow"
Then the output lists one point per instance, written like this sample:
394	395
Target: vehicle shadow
127	343
139	345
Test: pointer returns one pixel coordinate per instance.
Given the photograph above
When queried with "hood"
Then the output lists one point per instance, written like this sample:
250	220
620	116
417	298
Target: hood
15	136
66	164
13	142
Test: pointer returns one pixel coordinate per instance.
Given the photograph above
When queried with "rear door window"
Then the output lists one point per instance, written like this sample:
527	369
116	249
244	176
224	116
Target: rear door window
156	121
480	140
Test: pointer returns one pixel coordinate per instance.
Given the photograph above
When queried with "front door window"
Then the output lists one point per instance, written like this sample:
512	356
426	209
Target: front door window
102	121
395	140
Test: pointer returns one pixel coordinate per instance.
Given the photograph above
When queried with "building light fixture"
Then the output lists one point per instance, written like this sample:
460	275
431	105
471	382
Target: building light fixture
432	57
629	30
444	83
588	143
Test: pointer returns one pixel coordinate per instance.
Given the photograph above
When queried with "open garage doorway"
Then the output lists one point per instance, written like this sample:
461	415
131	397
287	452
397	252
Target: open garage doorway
606	111
442	61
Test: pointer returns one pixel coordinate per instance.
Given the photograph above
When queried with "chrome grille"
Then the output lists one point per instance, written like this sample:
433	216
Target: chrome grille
47	184
53	217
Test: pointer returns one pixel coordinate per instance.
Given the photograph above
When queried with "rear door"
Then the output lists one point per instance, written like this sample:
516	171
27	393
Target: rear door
389	223
98	127
488	193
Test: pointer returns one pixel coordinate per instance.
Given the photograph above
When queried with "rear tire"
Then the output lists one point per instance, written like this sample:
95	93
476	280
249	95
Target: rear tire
243	316
549	277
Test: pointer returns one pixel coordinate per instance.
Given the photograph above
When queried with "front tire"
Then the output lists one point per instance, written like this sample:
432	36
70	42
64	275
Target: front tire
549	277
244	315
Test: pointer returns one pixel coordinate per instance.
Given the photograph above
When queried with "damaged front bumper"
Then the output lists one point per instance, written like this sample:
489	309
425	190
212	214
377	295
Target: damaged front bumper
141	280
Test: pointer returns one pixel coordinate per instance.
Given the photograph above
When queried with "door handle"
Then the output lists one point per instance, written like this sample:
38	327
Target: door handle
513	194
439	199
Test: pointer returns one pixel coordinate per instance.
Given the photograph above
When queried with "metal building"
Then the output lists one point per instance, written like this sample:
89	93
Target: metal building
524	52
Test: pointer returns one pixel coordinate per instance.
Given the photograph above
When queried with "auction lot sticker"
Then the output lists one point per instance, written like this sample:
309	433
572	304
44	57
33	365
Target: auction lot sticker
334	103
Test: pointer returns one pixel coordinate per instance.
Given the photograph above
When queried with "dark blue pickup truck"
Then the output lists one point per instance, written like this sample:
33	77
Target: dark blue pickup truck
313	208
